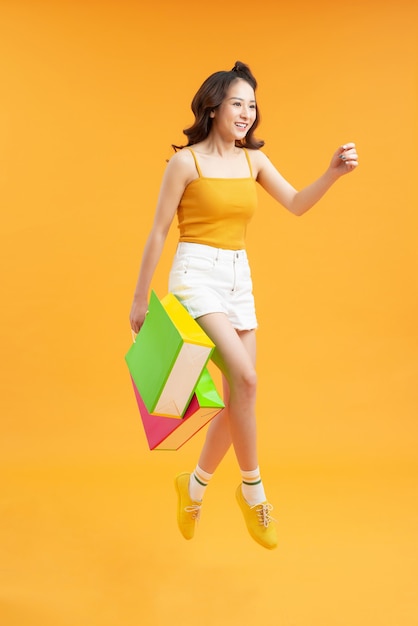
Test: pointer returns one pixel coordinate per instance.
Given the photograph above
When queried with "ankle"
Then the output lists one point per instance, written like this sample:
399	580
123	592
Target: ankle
199	480
252	487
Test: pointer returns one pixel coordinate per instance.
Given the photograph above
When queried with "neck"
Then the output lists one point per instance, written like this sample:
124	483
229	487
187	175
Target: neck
215	146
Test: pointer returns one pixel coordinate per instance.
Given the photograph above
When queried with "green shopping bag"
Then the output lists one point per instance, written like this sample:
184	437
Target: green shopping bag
168	357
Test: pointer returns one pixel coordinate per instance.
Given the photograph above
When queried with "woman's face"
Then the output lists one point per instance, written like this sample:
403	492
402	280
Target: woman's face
237	113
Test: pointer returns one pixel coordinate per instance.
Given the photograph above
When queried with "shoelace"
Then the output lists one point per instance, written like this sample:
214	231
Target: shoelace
194	509
263	513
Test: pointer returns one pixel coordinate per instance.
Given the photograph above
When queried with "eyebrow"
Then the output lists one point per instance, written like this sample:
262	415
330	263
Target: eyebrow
236	98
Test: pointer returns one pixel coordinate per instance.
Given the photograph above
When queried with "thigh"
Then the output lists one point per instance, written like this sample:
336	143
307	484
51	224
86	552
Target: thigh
248	340
234	353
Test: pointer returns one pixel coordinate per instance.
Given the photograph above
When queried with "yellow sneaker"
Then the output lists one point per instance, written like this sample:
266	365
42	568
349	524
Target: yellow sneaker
260	524
188	511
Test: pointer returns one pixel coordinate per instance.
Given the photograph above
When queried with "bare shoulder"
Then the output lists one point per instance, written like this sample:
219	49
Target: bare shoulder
182	164
258	161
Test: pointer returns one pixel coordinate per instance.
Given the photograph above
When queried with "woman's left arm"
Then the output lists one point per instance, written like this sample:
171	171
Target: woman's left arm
344	161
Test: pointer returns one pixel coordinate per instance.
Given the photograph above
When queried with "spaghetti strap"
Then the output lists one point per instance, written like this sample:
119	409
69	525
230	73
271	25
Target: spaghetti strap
248	161
195	162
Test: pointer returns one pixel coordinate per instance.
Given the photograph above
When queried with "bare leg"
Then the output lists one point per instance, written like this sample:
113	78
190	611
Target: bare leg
235	356
218	438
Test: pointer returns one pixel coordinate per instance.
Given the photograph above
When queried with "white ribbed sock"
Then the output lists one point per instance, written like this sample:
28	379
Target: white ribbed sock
252	487
199	480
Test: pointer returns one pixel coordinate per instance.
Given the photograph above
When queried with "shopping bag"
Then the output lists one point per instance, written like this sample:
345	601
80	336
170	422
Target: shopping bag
168	357
166	433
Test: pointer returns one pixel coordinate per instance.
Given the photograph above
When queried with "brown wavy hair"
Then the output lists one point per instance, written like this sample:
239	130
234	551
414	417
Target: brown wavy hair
210	95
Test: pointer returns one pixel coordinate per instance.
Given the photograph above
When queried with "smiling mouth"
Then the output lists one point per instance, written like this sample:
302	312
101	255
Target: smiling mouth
242	126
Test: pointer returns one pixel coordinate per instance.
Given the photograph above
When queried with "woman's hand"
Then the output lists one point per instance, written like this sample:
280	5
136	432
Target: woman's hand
345	159
139	310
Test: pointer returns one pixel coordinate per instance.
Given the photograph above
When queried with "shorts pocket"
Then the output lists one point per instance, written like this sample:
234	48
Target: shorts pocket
198	263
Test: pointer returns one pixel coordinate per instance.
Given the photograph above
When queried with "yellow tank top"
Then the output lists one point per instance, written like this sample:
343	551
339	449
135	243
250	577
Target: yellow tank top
216	211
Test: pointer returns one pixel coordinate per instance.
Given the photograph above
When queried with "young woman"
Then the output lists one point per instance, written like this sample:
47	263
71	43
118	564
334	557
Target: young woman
210	185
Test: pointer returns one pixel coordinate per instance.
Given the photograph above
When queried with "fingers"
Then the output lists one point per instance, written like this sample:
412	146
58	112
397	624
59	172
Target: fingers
347	146
137	321
136	326
348	154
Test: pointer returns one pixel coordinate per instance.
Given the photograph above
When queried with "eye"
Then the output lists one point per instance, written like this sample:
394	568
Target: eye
237	104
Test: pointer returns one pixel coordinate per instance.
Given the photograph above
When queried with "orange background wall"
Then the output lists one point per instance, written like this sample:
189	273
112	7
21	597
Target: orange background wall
92	94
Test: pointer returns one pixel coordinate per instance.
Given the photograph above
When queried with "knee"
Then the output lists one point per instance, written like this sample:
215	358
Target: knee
247	383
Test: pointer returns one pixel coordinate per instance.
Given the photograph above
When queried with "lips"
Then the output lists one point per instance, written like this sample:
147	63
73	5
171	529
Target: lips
241	126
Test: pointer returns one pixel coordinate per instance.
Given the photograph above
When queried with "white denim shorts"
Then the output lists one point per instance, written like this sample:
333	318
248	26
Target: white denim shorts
212	280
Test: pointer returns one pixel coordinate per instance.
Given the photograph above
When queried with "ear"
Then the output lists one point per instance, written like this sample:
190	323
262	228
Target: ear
212	113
